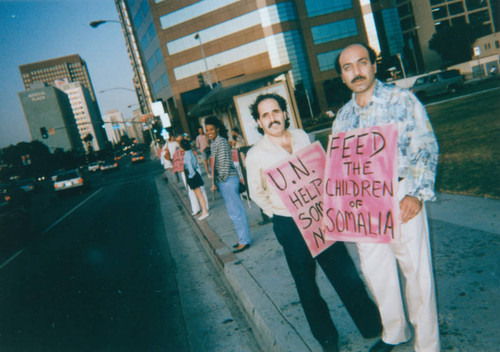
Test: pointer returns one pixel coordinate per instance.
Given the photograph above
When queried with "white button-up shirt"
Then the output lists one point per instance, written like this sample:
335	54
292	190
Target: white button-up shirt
262	156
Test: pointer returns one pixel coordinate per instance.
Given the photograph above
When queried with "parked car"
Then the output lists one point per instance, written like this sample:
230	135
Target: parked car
109	165
94	166
72	180
449	81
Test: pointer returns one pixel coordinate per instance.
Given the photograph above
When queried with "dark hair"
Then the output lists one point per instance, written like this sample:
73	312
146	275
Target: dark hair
214	121
254	108
185	144
371	54
235	129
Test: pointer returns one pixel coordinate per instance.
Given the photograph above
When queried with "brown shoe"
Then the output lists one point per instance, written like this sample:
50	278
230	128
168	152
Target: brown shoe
241	248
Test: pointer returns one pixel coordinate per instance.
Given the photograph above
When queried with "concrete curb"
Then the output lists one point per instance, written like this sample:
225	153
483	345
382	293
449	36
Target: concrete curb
271	328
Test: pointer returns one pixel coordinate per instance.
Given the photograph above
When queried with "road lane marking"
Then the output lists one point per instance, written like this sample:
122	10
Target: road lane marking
11	258
50	227
69	212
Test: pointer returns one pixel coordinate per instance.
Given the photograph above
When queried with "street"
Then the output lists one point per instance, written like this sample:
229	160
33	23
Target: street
97	273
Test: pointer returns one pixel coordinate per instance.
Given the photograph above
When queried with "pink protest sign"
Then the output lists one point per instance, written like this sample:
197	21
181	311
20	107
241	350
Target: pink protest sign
360	202
299	182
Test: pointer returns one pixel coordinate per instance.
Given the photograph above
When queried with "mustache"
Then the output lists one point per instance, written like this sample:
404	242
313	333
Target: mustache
358	78
273	123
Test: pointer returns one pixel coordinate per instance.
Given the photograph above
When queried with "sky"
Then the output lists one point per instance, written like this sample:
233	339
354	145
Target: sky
37	30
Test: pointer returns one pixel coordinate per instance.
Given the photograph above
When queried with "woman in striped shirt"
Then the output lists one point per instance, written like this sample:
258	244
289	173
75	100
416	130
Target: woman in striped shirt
227	180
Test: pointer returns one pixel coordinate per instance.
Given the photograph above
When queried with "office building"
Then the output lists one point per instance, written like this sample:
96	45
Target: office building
141	78
135	128
488	45
88	119
70	74
114	126
198	55
71	68
50	117
420	19
192	48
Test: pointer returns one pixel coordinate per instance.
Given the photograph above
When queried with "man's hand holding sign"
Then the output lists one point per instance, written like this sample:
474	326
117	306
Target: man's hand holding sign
299	182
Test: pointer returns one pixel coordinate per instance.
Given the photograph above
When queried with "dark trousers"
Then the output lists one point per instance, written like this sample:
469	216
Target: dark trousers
342	274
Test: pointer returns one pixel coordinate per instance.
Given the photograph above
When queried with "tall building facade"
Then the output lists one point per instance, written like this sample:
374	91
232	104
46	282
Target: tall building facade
70	74
192	48
135	128
420	19
50	117
71	68
114	125
87	117
136	54
197	54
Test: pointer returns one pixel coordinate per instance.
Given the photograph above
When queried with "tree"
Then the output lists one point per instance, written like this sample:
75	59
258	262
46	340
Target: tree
27	158
454	44
88	142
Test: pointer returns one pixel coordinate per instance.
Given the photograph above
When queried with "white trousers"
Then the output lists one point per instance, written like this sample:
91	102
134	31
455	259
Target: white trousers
195	205
379	263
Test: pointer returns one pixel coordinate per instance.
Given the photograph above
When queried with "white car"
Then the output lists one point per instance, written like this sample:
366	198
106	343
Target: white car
109	166
93	167
71	180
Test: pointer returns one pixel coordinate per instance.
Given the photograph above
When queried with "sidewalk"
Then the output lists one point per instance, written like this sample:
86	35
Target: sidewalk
464	235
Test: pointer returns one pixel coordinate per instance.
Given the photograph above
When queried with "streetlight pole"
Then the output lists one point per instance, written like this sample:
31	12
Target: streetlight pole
401	63
145	108
209	79
135	64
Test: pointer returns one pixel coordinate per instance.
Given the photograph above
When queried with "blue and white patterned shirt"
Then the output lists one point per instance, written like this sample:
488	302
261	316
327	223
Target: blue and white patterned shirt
417	146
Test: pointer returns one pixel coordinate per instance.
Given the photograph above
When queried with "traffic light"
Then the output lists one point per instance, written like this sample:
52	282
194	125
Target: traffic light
44	133
201	80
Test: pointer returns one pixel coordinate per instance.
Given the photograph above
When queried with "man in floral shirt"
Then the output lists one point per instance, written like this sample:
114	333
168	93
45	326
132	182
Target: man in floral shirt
373	103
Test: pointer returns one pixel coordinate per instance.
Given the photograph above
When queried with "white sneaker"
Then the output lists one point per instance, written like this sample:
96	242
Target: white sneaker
203	216
195	213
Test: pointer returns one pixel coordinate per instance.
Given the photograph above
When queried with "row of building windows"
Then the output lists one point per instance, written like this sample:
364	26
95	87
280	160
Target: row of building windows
154	61
141	13
148	36
160	83
282	48
393	31
457	8
326	60
471	4
334	31
479	19
405	10
195	10
264	17
323	7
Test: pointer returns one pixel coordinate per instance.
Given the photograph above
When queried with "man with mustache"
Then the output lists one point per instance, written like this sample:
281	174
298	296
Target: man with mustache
374	103
278	143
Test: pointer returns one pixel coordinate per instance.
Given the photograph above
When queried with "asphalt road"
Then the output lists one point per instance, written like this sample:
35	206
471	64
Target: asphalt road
97	273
